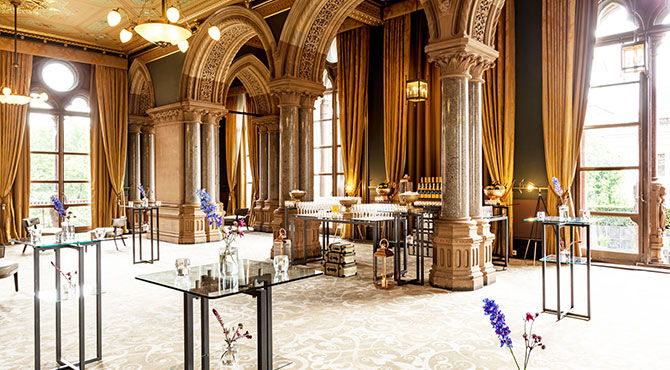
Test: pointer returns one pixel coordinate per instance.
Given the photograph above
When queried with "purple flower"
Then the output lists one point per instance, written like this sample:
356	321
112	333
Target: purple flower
143	193
209	209
557	186
497	319
58	205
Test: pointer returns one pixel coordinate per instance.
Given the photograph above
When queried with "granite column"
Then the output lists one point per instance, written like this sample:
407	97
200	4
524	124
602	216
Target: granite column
134	161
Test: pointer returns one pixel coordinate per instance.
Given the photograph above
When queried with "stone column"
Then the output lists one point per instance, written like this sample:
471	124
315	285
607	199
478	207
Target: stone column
456	242
134	163
149	160
210	124
272	202
476	132
262	175
307	146
192	159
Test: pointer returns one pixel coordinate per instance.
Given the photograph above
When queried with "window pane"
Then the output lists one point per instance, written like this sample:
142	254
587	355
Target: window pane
78	104
43	132
43	166
325	161
617	234
325	188
48	216
59	76
606	147
610	191
663	111
613	104
326	133
614	19
327	106
77	193
340	185
340	166
40	193
40	103
82	215
77	167
332	52
606	67
317	109
77	134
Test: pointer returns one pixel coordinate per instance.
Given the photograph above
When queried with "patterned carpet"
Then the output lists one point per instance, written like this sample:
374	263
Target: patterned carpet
331	323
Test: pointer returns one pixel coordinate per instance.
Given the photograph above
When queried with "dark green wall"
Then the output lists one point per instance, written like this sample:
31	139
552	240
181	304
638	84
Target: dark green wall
165	73
376	110
529	146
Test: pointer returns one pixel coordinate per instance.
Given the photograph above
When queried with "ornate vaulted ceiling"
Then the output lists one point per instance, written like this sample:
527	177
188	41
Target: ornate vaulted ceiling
84	22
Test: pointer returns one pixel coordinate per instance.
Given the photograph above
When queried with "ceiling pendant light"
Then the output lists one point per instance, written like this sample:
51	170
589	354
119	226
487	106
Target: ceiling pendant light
7	96
162	32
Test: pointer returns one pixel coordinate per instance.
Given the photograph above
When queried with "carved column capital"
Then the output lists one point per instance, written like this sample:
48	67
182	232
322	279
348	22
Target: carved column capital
478	67
149	129
295	91
460	57
134	128
267	123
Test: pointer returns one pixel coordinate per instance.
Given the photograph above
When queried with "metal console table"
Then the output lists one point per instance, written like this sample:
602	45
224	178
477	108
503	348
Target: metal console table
140	212
80	242
557	224
504	261
402	222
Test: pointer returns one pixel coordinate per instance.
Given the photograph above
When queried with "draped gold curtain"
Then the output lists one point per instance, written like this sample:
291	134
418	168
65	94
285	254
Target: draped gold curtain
423	119
233	132
396	73
568	28
353	50
109	135
252	140
14	168
498	110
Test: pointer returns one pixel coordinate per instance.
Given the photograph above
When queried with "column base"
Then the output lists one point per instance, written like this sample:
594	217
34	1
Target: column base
269	207
258	215
456	256
182	224
299	250
486	251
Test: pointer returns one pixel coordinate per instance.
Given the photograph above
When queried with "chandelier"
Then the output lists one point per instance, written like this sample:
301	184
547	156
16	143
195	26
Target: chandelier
162	32
7	96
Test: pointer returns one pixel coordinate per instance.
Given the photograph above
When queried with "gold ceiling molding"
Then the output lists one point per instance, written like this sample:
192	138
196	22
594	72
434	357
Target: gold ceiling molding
272	7
368	13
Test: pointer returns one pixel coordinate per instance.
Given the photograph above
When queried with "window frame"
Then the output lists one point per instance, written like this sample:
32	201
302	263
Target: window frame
335	144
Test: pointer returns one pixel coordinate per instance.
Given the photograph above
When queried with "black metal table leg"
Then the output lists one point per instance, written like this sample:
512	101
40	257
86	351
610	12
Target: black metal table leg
82	324
36	303
151	232
158	231
264	320
588	271
558	271
188	331
572	268
204	333
544	266
59	352
506	242
98	299
132	231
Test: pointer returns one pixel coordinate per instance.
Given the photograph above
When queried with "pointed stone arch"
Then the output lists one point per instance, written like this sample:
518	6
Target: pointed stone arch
475	19
255	78
208	61
140	89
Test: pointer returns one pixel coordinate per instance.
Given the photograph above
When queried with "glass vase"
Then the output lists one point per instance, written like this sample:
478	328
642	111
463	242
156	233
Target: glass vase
68	230
68	290
145	202
228	264
563	212
231	355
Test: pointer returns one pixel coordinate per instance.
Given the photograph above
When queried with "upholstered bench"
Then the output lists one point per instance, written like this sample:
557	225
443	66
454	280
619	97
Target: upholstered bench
9	268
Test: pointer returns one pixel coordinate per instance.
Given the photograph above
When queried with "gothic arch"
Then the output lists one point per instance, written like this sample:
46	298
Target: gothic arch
141	89
255	78
208	61
476	19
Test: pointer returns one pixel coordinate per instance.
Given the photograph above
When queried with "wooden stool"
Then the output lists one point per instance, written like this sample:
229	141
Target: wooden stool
9	268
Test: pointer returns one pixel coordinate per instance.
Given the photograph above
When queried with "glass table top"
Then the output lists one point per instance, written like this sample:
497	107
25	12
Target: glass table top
565	260
50	241
554	220
206	281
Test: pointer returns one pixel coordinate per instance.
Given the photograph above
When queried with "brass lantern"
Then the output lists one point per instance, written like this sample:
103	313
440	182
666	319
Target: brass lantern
417	91
382	264
633	57
282	245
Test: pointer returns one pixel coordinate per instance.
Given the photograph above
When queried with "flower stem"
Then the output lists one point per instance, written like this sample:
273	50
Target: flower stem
514	357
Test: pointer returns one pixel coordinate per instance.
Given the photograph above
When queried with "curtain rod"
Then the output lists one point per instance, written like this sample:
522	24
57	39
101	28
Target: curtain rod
245	113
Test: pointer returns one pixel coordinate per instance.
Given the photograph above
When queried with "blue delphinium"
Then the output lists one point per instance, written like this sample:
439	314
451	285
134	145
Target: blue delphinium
497	318
143	193
210	209
557	186
58	205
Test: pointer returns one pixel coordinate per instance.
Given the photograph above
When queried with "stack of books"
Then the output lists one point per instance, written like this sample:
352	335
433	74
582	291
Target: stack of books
340	260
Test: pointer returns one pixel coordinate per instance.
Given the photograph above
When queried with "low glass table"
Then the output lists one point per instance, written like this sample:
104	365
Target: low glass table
557	224
79	243
206	282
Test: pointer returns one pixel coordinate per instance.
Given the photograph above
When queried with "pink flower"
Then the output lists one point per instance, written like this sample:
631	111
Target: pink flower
529	316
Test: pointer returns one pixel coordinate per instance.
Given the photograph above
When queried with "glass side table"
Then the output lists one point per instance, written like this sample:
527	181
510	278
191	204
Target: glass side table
572	224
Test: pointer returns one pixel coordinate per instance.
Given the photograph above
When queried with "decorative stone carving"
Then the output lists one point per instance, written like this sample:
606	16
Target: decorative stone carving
444	5
657	221
456	57
456	256
481	18
316	33
216	57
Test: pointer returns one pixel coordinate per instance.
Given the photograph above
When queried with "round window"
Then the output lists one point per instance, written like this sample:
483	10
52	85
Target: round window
59	76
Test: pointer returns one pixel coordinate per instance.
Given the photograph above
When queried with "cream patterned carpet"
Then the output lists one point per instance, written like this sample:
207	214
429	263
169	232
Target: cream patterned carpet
331	323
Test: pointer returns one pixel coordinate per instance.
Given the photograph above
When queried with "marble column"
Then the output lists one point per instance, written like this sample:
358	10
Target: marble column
192	159
262	176
272	202
307	147
149	160
134	161
289	155
476	148
208	154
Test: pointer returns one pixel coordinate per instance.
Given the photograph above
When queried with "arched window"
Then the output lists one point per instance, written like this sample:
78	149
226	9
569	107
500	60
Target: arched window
614	19
59	132
328	169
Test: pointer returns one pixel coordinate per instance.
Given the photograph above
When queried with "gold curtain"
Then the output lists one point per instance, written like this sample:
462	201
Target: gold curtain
568	29
234	126
109	138
252	140
396	72
498	111
353	50
423	119
13	143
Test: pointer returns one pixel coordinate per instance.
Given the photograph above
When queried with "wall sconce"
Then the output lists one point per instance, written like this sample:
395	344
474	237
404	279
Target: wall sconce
417	91
633	57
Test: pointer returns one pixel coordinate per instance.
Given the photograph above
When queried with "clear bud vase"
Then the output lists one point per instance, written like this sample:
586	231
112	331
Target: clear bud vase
230	357
228	265
68	230
563	212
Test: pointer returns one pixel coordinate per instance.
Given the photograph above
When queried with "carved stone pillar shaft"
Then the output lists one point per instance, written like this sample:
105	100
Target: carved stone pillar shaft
192	159
475	147
289	154
307	148
149	160
134	162
208	155
272	201
262	178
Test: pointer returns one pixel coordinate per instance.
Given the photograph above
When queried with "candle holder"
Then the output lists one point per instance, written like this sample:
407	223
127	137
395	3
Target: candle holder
182	265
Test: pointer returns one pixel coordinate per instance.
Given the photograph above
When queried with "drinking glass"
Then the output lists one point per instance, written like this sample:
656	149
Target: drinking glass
540	216
281	263
182	266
